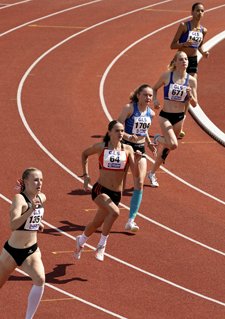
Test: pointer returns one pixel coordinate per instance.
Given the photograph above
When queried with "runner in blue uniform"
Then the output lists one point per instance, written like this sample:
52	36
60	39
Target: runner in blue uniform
137	117
178	87
106	193
189	38
21	249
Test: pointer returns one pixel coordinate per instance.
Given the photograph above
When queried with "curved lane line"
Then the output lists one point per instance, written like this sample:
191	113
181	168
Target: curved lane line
74	175
48	16
124	263
101	89
14	4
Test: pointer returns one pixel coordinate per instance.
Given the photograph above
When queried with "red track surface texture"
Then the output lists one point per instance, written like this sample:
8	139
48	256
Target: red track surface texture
172	268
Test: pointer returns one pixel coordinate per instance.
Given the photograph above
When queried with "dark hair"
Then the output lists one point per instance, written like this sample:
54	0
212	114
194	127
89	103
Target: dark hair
196	4
133	95
106	138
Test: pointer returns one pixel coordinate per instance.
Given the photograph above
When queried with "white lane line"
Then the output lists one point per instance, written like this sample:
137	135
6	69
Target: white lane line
77	298
105	109
153	222
96	25
13	4
48	16
126	264
69	171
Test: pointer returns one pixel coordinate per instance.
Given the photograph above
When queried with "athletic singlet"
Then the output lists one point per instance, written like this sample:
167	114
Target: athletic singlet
197	37
33	221
175	92
113	160
138	124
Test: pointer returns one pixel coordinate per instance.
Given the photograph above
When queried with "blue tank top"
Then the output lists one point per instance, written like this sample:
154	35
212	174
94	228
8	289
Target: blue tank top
176	92
138	124
197	37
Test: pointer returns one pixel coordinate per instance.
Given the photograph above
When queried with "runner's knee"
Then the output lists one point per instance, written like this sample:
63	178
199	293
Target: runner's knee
115	213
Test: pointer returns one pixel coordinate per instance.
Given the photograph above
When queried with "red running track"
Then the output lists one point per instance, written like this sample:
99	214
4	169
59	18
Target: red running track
172	268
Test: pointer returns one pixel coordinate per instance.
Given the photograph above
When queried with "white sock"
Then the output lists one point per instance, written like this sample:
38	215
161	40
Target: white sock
103	240
151	173
83	239
34	300
130	220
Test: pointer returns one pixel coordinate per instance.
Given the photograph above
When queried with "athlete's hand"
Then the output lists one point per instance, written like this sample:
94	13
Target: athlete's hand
153	149
205	54
188	90
156	104
133	138
87	180
41	228
137	156
35	202
189	43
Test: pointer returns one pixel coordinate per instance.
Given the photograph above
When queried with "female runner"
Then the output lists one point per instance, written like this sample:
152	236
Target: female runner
106	193
189	38
178	87
137	117
21	249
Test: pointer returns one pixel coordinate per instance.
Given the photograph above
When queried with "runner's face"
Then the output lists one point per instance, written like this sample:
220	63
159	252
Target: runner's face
145	96
182	61
117	131
34	182
198	12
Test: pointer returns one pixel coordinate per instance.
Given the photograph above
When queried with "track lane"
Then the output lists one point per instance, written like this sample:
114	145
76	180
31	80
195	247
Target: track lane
60	188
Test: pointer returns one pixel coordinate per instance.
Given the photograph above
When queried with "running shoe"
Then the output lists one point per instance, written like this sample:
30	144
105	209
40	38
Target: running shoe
99	253
132	226
78	250
182	134
153	180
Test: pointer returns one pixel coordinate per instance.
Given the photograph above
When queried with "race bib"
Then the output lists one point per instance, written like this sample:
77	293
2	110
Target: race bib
141	125
114	159
197	37
177	92
34	220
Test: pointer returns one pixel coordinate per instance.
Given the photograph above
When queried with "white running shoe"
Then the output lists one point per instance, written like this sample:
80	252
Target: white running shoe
99	253
132	226
78	250
153	180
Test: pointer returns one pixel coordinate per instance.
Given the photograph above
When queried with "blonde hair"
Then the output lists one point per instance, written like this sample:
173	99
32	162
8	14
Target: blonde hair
25	175
172	66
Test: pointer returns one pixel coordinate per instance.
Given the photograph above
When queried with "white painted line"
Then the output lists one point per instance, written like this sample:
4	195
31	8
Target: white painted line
48	16
77	298
69	171
198	114
126	264
13	4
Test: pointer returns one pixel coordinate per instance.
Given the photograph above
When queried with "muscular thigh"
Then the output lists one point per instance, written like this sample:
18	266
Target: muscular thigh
33	266
105	204
7	265
167	130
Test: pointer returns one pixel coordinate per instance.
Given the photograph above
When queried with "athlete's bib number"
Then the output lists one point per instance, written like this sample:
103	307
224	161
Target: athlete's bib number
141	125
34	220
196	37
114	159
177	92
